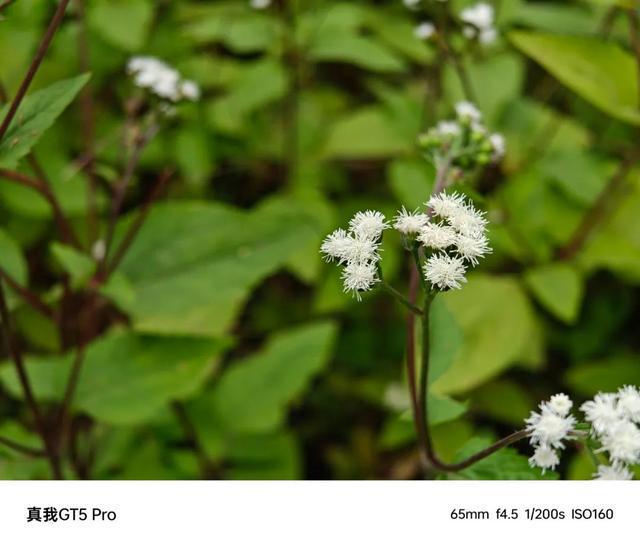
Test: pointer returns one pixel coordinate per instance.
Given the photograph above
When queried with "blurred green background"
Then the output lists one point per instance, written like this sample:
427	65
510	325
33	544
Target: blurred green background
226	348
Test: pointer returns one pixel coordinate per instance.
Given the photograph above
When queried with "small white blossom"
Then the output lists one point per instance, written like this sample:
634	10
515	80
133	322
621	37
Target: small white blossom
602	412
336	245
488	36
359	277
613	472
445	205
424	30
479	15
463	217
622	441
190	90
629	403
548	428
545	458
472	247
445	272
560	404
368	225
498	145
467	111
411	4
448	128
99	250
437	237
410	222
260	4
161	79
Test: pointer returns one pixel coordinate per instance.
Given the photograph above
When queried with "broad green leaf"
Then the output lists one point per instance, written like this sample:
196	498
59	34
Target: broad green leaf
601	72
12	260
273	456
79	266
367	133
559	288
365	52
504	400
125	378
604	375
506	464
194	264
253	393
555	17
446	339
124	24
443	409
36	114
120	291
499	330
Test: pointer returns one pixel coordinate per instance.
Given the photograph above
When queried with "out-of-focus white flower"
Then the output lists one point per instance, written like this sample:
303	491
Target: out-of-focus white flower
260	4
622	441
560	404
498	144
161	79
448	128
629	403
468	112
479	20
472	247
410	222
613	472
548	428
488	36
368	224
602	412
424	30
411	4
437	237
99	250
396	397
359	277
545	458
445	272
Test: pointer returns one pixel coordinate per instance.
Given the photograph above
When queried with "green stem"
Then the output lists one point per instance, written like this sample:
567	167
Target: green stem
400	298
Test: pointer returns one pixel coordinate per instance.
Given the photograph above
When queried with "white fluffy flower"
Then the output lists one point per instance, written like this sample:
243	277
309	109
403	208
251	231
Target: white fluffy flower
368	224
479	15
467	111
471	247
498	145
359	277
346	249
448	128
446	205
463	217
544	457
613	472
410	222
548	428
260	4
161	79
560	404
424	30
445	272
602	412
622	441
629	402
437	237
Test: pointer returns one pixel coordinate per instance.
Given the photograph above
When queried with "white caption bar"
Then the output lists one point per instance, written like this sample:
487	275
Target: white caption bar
326	515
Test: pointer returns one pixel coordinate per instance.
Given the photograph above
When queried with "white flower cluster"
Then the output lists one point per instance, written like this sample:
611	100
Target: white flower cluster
614	419
425	30
479	22
260	4
468	121
357	250
548	429
458	235
161	79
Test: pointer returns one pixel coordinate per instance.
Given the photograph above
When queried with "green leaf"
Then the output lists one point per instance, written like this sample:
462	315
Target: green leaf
499	330
506	464
559	288
443	409
367	133
193	264
273	456
446	339
253	394
604	375
11	259
411	181
124	24
601	72
36	114
79	266
125	378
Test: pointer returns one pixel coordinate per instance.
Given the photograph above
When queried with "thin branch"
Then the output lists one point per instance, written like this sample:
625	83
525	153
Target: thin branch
16	356
403	300
17	447
27	295
598	212
35	65
72	384
135	227
42	186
